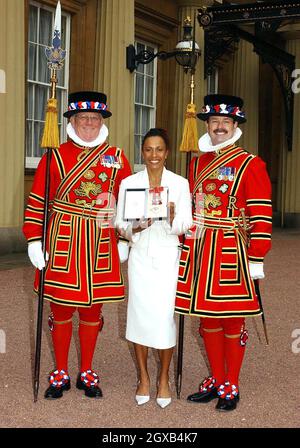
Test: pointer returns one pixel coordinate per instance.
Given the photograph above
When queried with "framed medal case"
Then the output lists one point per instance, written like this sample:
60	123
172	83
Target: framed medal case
144	203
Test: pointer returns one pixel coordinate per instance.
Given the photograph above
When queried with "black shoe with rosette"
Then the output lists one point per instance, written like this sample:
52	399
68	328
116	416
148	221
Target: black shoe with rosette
88	381
59	382
228	397
207	391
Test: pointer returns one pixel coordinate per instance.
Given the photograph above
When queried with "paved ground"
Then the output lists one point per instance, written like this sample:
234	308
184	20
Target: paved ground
270	393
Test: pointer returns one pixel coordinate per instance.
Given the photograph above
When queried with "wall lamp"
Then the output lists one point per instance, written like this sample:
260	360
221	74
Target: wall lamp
186	52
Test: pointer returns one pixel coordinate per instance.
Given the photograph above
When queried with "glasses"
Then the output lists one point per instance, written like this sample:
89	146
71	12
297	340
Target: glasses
85	118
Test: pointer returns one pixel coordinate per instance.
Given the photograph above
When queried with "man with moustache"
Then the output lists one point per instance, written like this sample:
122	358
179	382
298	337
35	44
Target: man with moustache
83	270
225	249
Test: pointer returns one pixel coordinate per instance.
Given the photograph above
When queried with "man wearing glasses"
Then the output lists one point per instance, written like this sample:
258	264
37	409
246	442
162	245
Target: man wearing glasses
83	269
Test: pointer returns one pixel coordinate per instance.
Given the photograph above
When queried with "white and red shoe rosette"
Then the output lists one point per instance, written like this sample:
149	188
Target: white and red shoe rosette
89	378
58	378
228	391
207	384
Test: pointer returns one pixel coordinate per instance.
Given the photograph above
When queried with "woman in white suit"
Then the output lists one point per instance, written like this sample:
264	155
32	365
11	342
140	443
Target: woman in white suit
153	265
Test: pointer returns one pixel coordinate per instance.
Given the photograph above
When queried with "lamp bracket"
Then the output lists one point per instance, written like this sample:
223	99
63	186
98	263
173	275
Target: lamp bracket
133	59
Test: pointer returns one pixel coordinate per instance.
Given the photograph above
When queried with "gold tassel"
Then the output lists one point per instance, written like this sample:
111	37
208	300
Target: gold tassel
50	137
190	134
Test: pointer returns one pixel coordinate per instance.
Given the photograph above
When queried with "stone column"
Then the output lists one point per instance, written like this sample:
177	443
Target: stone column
182	91
12	123
115	31
245	83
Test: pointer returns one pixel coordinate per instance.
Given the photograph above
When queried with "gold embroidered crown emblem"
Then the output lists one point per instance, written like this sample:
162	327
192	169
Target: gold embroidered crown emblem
212	201
87	188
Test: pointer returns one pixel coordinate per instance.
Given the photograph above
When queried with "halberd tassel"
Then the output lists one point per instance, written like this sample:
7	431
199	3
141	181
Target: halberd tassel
190	134
50	137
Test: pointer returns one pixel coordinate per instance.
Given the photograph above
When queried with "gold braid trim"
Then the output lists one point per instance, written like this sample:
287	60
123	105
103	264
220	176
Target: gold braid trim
212	330
61	322
90	324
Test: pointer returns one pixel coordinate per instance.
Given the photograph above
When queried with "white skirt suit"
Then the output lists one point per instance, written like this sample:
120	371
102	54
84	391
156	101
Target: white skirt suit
153	264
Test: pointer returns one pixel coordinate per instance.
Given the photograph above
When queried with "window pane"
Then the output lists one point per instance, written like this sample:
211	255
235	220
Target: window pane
61	76
28	138
45	34
137	119
149	91
32	48
36	140
32	35
44	73
63	32
139	88
40	101
29	102
60	106
61	72
38	133
145	120
61	103
150	69
137	149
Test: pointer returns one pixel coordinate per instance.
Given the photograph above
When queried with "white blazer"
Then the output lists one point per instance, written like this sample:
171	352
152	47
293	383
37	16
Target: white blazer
160	233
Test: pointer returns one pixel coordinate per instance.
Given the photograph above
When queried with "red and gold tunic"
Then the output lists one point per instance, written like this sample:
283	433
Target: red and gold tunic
83	266
214	278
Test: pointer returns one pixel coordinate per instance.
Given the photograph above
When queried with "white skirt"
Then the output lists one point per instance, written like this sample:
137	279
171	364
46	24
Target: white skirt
151	298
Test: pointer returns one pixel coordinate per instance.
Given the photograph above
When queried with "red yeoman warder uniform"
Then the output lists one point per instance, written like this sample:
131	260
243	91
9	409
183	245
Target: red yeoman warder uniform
83	270
214	277
83	266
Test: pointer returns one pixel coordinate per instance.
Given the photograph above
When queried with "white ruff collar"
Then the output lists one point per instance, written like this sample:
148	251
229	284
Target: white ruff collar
102	136
205	144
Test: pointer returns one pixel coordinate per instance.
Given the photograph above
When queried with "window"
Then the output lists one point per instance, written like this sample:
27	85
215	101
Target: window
145	101
40	35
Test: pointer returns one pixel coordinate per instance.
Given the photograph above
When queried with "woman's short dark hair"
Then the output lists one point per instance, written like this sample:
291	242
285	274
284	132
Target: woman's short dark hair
157	132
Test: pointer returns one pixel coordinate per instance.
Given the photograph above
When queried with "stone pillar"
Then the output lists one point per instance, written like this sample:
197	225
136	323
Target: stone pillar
12	123
182	95
292	179
245	83
115	31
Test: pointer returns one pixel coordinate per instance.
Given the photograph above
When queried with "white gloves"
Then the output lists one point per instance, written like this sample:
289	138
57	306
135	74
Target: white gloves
36	255
123	249
256	270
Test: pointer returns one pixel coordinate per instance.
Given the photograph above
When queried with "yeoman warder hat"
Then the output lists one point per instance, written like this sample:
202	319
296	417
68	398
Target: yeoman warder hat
222	105
87	102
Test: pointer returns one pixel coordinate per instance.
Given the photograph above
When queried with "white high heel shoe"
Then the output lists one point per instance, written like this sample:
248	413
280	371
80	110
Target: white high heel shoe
141	399
163	402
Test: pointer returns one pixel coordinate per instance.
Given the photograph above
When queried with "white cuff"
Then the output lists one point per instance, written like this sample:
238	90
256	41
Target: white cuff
126	232
123	249
256	270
